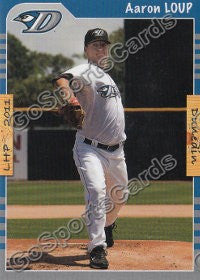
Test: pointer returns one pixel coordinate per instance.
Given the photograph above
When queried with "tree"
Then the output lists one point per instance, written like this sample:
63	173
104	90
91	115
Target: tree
118	71
19	59
31	72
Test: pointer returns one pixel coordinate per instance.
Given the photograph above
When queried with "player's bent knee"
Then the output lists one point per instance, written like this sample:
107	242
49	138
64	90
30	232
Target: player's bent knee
96	193
119	194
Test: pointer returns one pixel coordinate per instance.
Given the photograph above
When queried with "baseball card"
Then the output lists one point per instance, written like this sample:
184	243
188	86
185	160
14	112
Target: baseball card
100	139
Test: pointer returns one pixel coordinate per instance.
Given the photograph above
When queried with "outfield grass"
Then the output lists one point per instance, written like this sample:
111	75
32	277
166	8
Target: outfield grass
63	192
177	229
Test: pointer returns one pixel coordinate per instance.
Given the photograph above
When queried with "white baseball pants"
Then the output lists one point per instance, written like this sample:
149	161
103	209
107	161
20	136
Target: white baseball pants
105	180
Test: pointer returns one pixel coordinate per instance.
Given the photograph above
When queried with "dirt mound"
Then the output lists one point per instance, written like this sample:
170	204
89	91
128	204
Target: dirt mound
125	255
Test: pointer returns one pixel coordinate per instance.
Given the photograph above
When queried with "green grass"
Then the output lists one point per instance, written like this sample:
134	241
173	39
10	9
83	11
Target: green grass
176	192
69	192
177	229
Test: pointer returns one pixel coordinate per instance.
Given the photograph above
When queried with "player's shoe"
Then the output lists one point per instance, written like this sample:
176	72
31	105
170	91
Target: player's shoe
98	258
109	235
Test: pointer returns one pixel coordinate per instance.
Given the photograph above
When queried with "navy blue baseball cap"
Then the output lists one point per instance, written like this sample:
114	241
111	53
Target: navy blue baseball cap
96	34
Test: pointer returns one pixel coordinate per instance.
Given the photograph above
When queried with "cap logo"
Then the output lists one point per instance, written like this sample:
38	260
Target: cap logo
98	32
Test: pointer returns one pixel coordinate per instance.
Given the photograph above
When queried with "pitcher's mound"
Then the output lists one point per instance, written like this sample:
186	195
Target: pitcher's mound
125	255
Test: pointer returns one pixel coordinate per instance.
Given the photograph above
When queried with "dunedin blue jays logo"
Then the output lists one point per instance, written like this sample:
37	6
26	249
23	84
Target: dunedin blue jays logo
108	91
39	21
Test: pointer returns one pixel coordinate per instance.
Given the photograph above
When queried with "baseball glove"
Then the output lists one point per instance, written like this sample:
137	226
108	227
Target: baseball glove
73	114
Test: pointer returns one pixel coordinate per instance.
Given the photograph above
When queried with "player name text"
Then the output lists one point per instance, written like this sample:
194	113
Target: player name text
180	8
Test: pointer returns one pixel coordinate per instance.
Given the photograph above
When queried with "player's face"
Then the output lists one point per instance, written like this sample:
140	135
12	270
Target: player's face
96	51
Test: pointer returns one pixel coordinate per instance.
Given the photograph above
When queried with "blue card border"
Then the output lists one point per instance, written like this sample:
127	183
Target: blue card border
103	9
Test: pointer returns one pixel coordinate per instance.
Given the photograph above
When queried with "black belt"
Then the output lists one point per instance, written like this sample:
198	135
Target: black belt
102	146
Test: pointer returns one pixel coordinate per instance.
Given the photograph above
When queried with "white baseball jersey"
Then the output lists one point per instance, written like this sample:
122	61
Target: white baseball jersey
101	100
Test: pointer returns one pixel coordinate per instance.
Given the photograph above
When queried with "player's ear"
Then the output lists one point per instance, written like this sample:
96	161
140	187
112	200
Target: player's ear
85	52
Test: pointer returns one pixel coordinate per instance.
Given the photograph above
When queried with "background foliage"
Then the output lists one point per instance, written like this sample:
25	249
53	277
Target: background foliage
30	72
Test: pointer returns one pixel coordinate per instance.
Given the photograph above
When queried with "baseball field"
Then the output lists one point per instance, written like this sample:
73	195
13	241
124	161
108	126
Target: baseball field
154	229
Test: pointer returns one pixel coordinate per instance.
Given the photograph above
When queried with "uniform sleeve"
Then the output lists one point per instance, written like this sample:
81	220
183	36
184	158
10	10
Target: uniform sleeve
76	71
75	77
67	76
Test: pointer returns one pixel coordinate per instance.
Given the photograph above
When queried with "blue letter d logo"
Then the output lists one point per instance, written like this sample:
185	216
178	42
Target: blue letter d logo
39	21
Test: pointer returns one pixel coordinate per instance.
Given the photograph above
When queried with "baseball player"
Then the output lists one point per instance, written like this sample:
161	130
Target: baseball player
95	108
